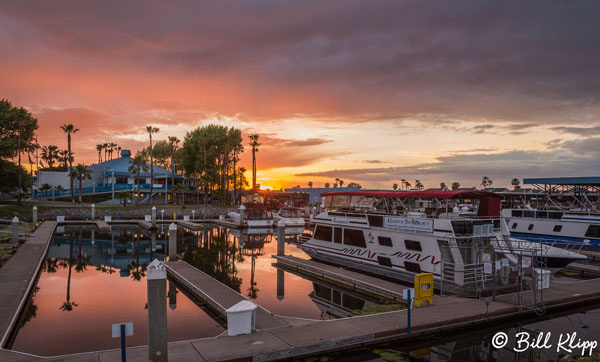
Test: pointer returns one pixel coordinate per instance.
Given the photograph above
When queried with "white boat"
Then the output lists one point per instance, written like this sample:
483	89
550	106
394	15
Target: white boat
377	232
289	217
575	230
255	215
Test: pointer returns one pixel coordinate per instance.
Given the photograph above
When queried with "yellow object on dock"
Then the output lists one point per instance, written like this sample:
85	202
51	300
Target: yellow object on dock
423	289
174	216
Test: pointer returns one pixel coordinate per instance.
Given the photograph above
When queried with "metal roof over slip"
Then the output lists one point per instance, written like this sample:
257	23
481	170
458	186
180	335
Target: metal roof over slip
563	181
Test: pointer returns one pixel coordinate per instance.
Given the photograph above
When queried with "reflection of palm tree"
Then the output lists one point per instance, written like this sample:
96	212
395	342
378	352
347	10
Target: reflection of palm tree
253	290
82	261
51	265
68	305
137	271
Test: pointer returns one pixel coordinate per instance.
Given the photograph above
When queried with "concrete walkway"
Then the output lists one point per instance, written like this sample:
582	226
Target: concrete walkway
18	276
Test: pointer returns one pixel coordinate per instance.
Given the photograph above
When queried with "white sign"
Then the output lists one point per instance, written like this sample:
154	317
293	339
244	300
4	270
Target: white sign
526	262
486	258
487	268
504	262
498	265
397	222
116	329
405	293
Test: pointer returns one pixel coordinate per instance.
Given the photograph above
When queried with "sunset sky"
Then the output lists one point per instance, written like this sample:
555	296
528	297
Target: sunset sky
367	91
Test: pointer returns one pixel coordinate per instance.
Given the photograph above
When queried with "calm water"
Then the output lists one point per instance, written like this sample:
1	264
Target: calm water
91	280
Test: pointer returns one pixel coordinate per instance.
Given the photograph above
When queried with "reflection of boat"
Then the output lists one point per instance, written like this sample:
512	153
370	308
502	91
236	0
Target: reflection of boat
377	231
254	215
572	229
289	216
336	302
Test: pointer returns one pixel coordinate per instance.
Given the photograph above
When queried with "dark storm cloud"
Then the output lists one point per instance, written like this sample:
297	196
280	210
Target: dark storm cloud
581	131
511	60
578	157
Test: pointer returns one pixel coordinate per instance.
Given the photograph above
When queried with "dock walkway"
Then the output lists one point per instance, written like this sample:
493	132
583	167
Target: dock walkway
19	274
216	294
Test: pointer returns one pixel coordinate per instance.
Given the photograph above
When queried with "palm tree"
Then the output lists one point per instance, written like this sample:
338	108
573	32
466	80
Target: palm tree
341	182
138	164
173	141
99	148
119	150
105	147
124	196
70	129
327	185
63	156
310	184
403	183
113	147
395	186
81	172
515	182
150	131
50	154
455	185
443	186
254	143
486	182
419	185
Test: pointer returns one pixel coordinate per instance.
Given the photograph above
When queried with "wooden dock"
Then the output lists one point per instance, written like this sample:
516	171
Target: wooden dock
216	294
191	225
102	226
584	268
18	276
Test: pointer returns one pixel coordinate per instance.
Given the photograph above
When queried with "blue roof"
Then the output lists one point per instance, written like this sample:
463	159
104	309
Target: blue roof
120	166
562	181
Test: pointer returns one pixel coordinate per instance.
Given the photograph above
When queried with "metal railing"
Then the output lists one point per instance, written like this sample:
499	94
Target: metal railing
98	189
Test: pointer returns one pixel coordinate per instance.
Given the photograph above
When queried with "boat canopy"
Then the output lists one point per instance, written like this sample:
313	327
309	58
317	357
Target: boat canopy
489	202
431	194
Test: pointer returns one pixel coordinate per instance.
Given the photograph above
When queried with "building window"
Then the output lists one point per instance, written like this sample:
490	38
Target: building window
413	245
385	241
385	261
557	228
530	227
323	233
514	226
593	231
337	235
354	237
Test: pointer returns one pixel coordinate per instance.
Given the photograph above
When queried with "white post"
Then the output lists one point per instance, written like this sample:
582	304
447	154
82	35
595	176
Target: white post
172	241
242	210
53	193
15	231
93	212
153	215
112	181
157	312
193	215
34	217
93	187
162	214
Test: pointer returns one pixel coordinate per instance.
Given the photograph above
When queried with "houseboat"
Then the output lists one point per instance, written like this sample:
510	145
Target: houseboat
398	234
253	215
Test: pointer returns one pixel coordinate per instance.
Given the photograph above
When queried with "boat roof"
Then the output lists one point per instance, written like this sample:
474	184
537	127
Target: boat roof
429	194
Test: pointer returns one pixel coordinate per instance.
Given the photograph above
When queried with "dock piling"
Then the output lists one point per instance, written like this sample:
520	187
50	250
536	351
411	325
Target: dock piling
172	242
153	215
93	212
242	210
15	231
34	217
157	312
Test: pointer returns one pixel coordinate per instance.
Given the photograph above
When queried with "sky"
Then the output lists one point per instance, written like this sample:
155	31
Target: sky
367	91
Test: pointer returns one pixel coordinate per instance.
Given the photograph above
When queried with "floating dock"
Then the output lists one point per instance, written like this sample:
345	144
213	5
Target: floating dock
216	294
18	276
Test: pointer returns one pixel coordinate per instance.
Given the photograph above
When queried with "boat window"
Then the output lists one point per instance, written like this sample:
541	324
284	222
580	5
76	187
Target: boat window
375	220
555	215
530	227
352	303
542	214
337	297
593	231
412	267
385	241
517	213
337	235
354	237
529	214
514	226
413	245
323	233
557	228
340	202
322	292
385	261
